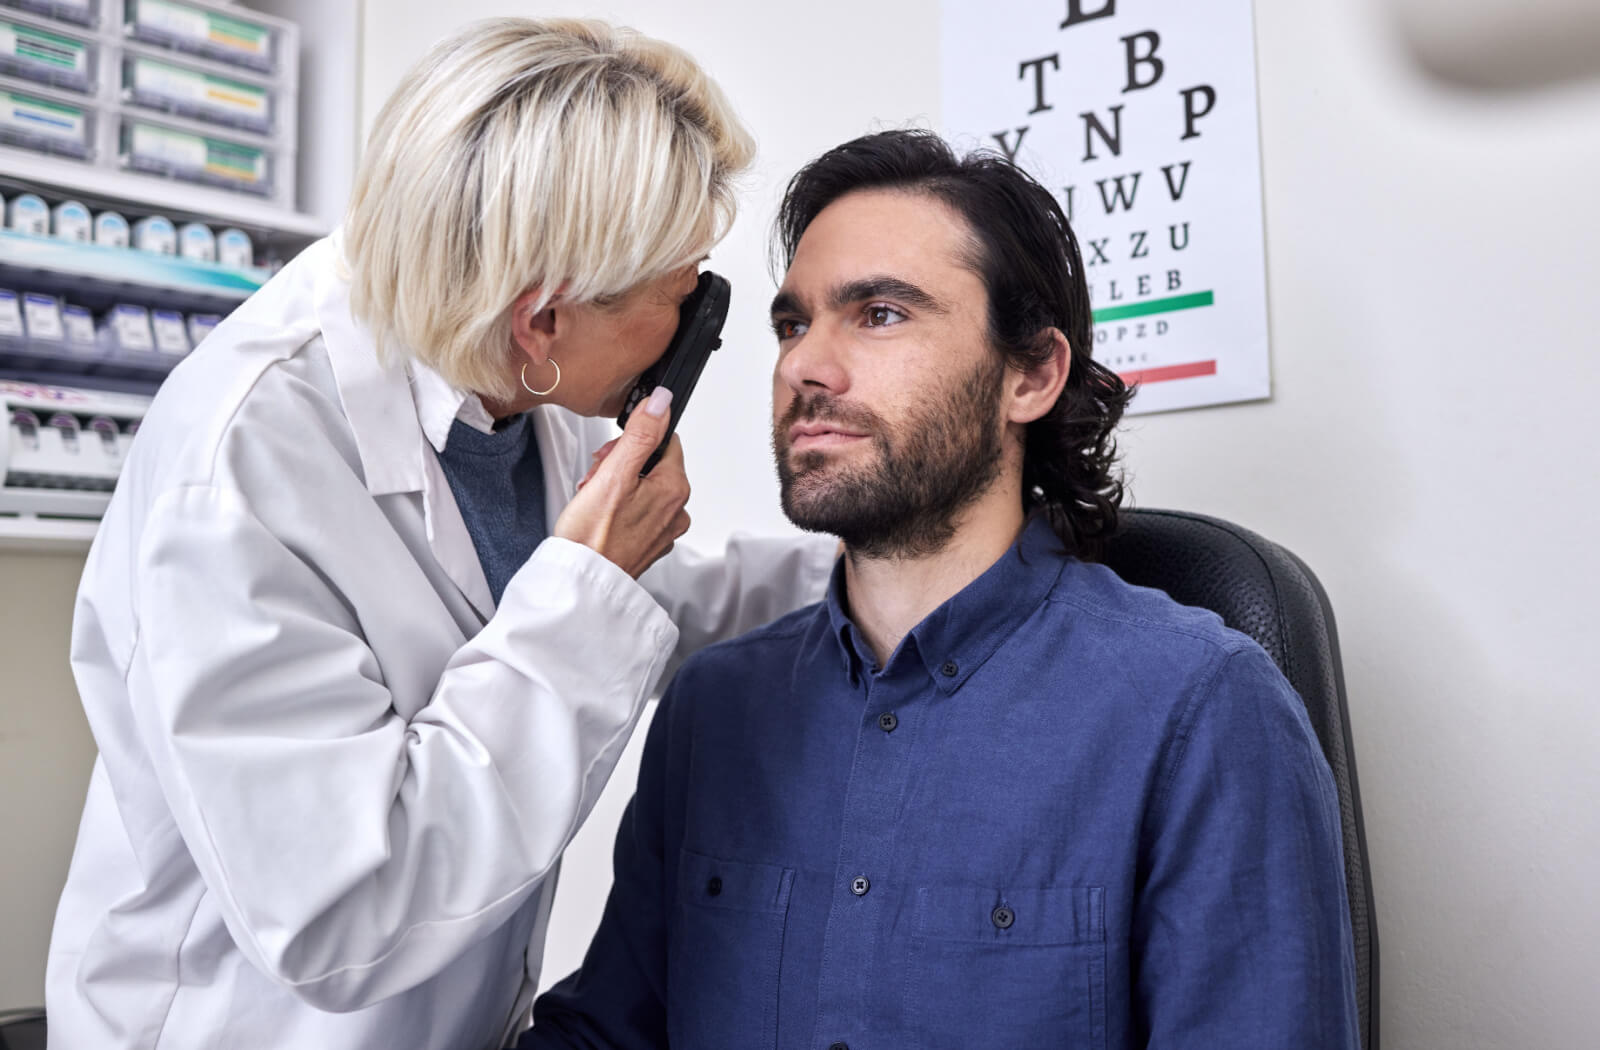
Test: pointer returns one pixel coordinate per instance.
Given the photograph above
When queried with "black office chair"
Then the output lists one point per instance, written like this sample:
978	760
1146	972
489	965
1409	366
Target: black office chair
1264	591
22	1029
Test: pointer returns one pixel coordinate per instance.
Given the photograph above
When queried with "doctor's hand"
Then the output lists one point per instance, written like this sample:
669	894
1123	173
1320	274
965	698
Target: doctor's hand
629	520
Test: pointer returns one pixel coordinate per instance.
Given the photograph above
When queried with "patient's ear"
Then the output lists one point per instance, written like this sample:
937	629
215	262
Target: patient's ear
1032	394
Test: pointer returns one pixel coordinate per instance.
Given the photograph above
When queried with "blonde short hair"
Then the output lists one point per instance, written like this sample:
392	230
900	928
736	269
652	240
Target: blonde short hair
554	155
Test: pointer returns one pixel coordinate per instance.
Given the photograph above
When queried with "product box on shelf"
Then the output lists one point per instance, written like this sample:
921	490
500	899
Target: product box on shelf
46	56
131	343
61	448
37	122
83	12
71	221
231	35
28	213
203	95
111	230
160	149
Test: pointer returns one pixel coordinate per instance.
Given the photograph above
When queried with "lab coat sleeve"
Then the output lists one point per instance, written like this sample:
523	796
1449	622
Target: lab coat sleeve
618	999
712	597
754	581
353	852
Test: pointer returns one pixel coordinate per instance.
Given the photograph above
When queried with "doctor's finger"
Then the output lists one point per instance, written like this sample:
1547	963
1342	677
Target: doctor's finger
670	535
647	425
672	457
598	458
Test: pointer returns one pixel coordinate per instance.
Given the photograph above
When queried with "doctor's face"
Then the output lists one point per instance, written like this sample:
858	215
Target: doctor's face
602	349
886	397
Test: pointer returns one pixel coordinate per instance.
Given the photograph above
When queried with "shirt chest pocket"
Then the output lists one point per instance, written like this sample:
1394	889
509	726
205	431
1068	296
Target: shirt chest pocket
1007	968
726	944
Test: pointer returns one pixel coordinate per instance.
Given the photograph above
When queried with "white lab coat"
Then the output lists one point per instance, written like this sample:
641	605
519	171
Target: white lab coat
334	780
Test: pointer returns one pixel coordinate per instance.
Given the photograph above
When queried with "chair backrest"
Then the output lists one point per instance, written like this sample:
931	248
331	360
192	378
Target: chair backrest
1264	591
22	1029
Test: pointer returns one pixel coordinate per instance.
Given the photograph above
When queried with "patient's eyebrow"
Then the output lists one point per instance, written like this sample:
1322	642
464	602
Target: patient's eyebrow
877	286
882	286
786	303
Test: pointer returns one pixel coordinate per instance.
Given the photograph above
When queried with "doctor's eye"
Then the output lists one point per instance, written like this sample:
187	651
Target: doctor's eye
879	315
786	328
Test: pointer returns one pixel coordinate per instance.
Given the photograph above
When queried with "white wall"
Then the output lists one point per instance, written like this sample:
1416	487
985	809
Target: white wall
45	756
1429	450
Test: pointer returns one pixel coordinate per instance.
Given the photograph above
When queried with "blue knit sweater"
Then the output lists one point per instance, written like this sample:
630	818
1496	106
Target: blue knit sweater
498	483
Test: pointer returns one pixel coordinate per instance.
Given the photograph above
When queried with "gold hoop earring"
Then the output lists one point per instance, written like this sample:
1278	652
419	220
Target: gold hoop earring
541	393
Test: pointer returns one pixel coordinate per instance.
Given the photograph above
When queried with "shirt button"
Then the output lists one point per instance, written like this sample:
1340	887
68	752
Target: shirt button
887	722
949	670
1002	917
859	886
839	1046
714	887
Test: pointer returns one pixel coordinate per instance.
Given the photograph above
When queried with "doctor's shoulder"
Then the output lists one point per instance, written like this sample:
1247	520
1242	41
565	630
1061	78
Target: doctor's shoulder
234	407
206	397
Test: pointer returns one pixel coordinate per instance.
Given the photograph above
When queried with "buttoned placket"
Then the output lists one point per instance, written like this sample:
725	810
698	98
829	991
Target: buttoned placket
865	887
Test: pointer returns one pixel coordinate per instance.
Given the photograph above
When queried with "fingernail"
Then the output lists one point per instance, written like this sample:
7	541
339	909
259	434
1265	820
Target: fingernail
660	398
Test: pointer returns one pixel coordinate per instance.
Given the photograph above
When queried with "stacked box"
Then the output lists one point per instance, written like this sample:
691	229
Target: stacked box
46	56
182	154
226	36
197	93
194	90
46	123
80	12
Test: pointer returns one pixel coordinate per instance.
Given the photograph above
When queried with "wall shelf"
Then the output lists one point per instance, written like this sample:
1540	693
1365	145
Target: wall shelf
177	200
99	274
46	535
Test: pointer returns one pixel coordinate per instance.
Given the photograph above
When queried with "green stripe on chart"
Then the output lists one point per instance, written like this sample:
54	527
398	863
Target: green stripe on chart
1154	306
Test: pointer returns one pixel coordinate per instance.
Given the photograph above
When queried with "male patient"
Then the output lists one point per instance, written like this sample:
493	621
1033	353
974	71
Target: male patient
986	795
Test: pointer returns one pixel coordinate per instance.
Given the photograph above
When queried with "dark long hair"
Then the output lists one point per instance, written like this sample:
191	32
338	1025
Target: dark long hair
1028	258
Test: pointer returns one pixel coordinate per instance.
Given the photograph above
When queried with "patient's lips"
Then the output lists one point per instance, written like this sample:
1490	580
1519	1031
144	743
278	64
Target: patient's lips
820	434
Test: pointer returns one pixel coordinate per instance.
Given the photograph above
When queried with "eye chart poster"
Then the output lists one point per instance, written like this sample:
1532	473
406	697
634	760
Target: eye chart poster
1140	116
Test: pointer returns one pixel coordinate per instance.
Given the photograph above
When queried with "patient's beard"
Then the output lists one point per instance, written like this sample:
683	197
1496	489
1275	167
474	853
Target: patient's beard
907	502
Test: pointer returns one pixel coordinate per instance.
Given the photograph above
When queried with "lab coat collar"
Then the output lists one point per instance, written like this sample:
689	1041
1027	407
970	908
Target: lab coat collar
400	409
386	420
376	395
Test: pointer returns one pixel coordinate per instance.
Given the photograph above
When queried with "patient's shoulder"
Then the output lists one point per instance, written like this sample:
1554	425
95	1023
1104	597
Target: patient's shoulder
781	642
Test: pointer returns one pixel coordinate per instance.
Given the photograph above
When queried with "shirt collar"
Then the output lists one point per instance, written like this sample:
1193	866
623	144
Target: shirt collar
844	631
957	638
439	405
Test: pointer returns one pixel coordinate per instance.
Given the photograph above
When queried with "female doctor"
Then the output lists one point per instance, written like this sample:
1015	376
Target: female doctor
358	652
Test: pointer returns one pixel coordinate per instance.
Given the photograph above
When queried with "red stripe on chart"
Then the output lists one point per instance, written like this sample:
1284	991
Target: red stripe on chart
1158	375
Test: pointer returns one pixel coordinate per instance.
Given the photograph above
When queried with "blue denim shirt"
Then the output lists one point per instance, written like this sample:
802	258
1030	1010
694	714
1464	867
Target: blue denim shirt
1068	812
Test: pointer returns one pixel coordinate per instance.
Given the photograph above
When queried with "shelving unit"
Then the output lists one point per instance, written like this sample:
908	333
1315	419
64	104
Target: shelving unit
101	276
297	104
45	535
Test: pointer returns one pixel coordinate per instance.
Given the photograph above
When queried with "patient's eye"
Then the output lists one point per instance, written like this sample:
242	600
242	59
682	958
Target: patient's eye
786	328
880	315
